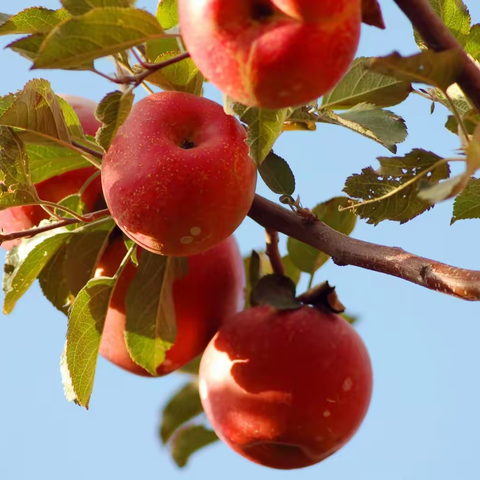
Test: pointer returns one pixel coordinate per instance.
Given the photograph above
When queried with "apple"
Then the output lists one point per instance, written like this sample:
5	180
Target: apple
54	189
212	290
178	177
85	110
272	53
286	389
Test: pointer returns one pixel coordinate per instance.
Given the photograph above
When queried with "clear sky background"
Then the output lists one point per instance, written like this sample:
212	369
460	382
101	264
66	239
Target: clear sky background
424	420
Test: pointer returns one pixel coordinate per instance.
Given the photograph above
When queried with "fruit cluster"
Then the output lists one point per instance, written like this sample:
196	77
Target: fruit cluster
285	388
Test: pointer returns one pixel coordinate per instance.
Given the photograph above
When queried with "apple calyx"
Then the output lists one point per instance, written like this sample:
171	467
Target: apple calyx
277	291
322	297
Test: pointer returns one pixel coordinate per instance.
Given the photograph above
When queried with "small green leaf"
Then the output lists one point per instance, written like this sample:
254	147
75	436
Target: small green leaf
275	290
84	251
28	47
467	204
291	270
307	258
54	284
15	183
180	409
85	329
24	263
181	76
155	48
440	69
167	13
33	20
192	367
399	203
79	7
112	111
361	85
188	440
265	126
456	18
98	33
472	46
151	325
277	174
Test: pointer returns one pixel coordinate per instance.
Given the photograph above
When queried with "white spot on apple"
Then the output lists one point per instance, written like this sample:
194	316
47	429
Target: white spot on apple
347	384
186	240
195	231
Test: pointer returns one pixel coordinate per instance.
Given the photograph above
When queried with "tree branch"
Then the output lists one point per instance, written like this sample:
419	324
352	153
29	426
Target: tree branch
437	37
458	282
272	251
91	217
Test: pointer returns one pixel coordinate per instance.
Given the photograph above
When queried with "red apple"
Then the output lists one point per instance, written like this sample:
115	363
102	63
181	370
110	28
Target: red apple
178	178
54	189
286	389
85	110
212	290
272	53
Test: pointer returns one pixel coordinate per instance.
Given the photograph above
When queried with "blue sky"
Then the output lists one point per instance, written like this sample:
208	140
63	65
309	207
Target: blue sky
423	422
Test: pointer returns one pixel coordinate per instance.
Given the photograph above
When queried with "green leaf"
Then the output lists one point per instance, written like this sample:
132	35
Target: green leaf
277	175
85	329
467	204
308	259
151	326
397	205
188	440
15	184
28	47
472	46
24	263
440	69
47	161
182	76
362	85
180	409
291	270
71	119
33	20
54	284
97	33
155	48
265	126
455	16
167	13
84	251
112	111
79	7
36	109
192	367
275	290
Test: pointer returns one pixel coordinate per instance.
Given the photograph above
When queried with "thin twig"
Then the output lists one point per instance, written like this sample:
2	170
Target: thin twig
91	217
88	150
458	282
272	251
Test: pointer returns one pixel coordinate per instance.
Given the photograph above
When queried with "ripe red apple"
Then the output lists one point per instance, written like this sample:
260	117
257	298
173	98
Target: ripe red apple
178	178
85	110
286	389
54	189
212	290
272	53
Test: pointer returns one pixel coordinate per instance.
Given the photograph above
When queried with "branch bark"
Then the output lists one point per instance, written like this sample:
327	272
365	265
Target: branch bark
437	37
273	252
458	282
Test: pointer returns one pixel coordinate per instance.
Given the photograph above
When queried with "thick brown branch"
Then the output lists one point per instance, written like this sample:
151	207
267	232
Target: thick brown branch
91	217
437	37
344	250
273	253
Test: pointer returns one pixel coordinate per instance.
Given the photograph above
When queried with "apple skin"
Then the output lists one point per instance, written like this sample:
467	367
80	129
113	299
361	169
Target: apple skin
213	289
286	389
85	110
178	177
272	53
54	189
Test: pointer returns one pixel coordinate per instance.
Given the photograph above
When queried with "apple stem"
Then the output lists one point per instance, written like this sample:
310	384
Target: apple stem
91	217
273	252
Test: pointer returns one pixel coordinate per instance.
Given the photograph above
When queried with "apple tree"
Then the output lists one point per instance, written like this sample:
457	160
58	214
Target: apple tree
125	211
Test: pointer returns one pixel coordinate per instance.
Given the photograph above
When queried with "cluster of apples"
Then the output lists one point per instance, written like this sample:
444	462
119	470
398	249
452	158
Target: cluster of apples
284	388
